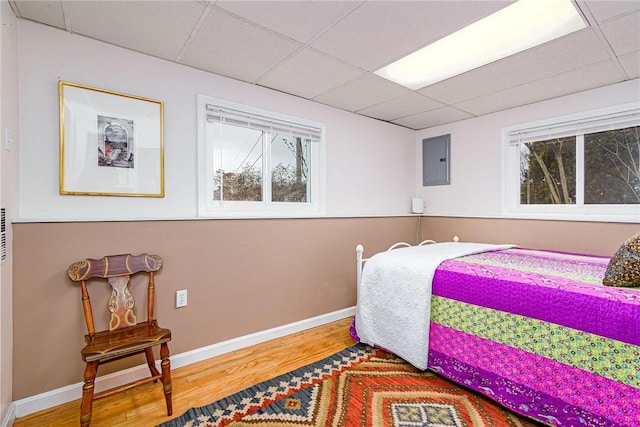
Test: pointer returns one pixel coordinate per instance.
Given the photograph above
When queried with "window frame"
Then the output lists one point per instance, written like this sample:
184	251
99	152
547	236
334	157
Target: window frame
209	208
590	121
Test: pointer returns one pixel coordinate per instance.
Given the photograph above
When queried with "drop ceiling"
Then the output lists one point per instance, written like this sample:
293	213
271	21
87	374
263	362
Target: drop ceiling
327	51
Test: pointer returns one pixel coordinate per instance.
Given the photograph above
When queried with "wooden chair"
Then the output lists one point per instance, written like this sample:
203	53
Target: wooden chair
125	337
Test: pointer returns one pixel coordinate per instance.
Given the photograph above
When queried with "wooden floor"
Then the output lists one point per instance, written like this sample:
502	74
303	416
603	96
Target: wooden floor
203	382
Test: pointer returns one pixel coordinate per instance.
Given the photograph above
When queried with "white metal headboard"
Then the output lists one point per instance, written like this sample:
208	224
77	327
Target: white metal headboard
360	250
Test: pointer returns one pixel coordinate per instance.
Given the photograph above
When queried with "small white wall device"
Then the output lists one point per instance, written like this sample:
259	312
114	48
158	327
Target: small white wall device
417	205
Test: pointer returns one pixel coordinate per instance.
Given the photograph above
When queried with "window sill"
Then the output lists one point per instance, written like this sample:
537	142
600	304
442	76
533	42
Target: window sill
596	217
258	215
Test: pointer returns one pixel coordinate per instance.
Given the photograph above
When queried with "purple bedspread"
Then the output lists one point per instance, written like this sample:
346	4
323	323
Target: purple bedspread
564	289
538	332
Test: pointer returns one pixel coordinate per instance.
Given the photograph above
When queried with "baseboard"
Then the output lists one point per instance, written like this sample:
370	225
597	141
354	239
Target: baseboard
9	416
56	397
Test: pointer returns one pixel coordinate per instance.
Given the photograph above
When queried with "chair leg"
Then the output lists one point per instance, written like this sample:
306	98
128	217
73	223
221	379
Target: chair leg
166	376
86	407
151	362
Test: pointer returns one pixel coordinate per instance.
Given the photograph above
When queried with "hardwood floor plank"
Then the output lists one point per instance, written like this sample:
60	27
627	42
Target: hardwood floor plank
204	382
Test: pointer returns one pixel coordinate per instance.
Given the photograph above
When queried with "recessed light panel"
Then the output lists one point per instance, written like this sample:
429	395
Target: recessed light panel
517	27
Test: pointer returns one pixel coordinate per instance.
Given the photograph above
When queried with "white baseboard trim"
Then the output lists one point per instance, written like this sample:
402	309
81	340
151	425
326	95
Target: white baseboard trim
9	416
49	399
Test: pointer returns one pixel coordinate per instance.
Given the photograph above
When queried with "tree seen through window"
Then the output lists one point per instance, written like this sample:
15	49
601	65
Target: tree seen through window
611	169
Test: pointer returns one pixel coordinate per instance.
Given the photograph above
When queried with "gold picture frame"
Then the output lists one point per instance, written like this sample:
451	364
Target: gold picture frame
111	144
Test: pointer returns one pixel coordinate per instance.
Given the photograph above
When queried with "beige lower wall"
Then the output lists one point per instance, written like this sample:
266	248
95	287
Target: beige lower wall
597	238
243	276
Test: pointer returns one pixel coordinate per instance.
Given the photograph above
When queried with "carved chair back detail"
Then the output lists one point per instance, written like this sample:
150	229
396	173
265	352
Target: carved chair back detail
117	269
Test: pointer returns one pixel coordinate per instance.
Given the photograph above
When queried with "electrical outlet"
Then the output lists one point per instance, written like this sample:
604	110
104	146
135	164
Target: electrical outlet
181	298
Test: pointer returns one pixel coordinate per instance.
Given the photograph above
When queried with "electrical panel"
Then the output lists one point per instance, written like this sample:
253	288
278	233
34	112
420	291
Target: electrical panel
436	160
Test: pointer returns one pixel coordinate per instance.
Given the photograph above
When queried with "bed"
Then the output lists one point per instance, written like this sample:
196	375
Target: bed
534	330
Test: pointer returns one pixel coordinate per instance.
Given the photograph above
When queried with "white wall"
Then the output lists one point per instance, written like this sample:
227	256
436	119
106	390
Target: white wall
476	150
370	164
8	196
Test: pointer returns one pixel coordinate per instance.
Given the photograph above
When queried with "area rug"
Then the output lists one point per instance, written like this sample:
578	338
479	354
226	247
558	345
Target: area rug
359	386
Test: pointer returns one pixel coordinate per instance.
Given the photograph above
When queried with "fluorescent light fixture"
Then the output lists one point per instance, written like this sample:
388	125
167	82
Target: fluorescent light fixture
517	27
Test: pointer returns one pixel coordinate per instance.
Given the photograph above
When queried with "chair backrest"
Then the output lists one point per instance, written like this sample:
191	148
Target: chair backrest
117	270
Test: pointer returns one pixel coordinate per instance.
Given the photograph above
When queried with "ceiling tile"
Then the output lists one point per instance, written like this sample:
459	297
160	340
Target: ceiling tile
327	50
623	34
402	106
47	12
432	118
361	93
300	20
585	78
158	28
230	47
379	32
308	73
631	64
568	53
603	10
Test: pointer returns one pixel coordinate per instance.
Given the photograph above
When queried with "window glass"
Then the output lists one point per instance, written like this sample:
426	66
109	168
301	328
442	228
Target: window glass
237	162
290	169
548	172
612	167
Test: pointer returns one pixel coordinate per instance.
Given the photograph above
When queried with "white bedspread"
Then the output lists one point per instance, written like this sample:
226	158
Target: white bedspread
394	298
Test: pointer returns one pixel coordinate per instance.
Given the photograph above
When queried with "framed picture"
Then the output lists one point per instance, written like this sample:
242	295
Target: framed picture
111	144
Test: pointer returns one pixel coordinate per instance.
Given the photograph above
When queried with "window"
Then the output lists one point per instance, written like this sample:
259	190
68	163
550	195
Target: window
583	167
257	163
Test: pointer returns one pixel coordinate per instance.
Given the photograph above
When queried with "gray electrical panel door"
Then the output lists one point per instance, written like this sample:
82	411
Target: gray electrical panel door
436	160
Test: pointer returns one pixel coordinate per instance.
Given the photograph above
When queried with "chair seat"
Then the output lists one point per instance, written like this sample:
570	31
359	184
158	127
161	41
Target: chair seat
108	345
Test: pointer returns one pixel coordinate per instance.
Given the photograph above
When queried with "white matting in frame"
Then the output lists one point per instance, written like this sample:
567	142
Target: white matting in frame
111	144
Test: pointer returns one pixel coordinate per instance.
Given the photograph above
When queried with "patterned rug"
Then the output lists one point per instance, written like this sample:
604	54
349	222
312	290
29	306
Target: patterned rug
359	386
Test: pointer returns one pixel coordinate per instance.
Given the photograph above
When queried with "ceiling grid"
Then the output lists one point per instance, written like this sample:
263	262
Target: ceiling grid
328	51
